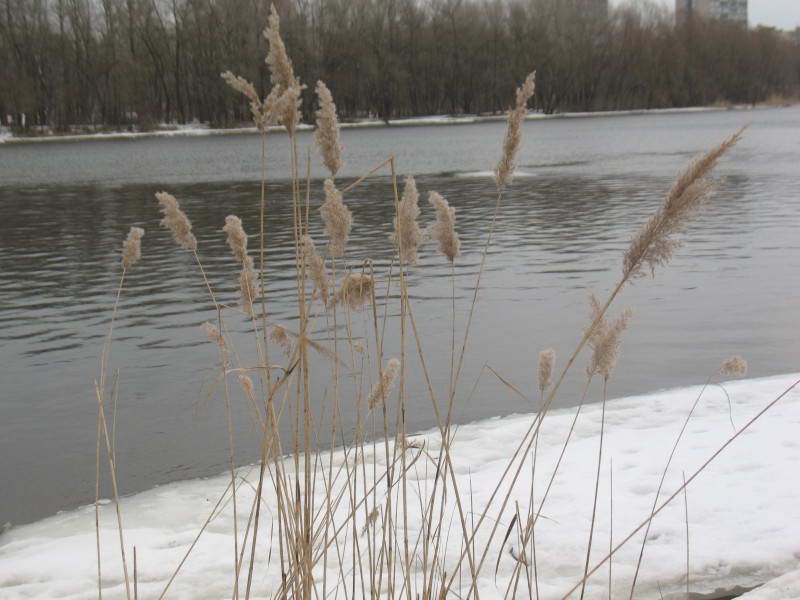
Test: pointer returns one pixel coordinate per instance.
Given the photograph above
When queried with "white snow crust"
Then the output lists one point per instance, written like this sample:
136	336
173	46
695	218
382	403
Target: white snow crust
743	511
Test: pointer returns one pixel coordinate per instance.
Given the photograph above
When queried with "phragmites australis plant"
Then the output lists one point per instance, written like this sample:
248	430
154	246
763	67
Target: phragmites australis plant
132	247
176	221
375	515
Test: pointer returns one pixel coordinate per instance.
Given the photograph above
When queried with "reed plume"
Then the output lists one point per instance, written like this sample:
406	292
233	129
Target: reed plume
247	386
327	133
338	220
132	247
214	334
407	234
355	291
605	340
237	240
444	230
263	111
315	266
383	387
278	61
176	221
735	365
655	243
504	172
278	335
547	358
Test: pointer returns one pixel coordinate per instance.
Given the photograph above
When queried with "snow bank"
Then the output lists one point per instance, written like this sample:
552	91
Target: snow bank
744	511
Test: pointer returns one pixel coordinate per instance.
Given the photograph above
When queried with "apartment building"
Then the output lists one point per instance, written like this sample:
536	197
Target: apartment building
725	10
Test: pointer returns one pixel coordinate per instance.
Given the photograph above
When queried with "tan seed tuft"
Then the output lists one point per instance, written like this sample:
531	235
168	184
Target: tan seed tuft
132	247
315	266
547	359
444	230
605	341
504	172
176	221
278	335
237	240
383	387
407	235
214	334
356	290
735	365
338	220
327	133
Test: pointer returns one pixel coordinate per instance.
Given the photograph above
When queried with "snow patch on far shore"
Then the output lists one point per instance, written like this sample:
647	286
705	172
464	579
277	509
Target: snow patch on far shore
198	129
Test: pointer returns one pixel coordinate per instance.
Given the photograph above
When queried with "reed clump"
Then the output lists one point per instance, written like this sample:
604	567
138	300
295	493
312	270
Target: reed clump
354	520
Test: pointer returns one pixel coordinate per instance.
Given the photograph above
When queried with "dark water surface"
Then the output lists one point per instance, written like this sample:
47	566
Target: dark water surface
734	288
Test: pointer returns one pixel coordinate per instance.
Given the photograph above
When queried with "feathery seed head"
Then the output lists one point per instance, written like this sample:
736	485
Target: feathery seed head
247	386
655	243
327	133
214	334
407	234
356	290
176	221
132	247
278	335
547	359
735	365
383	387
504	172
338	220
315	266
287	108
444	230
237	238
605	340
278	61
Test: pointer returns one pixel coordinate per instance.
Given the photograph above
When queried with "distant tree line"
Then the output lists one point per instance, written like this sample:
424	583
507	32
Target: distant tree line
135	63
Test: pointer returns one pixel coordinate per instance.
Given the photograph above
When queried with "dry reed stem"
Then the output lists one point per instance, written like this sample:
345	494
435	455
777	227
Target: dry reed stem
338	220
735	365
132	247
327	133
504	172
547	359
655	244
407	235
176	221
444	231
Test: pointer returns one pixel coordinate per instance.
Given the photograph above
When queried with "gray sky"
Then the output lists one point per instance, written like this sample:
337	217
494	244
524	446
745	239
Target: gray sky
784	14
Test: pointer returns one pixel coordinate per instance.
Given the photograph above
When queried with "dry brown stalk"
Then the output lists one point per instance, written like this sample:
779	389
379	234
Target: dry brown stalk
327	133
504	172
655	244
547	359
407	235
132	247
382	388
338	220
176	221
355	291
444	230
735	365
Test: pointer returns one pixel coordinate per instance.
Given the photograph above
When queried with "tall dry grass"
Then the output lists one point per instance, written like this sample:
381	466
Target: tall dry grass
351	518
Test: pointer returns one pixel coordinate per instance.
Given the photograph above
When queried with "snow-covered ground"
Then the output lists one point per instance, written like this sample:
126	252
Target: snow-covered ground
743	511
199	129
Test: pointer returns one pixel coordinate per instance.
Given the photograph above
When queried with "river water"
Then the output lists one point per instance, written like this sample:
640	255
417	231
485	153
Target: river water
584	187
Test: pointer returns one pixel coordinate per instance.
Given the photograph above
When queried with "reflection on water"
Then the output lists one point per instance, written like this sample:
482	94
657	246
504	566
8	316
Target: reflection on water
560	234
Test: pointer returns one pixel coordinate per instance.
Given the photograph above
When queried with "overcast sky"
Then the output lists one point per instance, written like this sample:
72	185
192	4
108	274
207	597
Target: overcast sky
784	14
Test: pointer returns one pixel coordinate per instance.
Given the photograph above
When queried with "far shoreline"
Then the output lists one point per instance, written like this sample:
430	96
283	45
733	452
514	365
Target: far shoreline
201	130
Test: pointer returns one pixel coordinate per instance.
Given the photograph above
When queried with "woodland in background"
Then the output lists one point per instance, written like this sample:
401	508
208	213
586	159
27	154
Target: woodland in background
136	63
